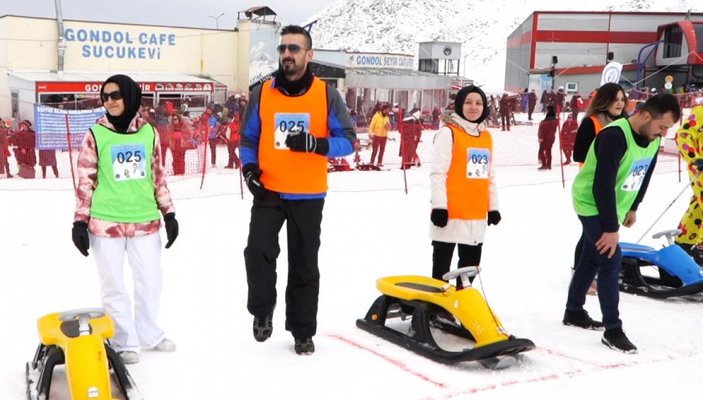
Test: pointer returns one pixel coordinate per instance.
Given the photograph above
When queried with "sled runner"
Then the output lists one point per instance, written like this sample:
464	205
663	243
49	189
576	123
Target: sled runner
77	338
667	272
432	303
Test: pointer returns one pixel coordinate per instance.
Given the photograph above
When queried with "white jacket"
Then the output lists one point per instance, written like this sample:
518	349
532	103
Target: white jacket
469	232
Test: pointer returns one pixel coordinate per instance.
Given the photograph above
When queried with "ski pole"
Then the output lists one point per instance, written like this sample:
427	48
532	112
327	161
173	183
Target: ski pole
667	208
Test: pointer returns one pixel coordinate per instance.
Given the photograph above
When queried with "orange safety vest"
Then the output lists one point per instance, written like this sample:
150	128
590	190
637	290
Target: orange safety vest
598	127
597	124
468	184
286	171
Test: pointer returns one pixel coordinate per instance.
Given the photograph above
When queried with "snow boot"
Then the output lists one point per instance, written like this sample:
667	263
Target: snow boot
581	319
615	339
263	327
304	346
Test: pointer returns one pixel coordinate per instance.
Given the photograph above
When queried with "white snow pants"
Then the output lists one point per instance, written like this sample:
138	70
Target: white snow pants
144	256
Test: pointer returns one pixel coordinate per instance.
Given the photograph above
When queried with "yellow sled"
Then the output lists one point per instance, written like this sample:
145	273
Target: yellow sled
78	339
435	303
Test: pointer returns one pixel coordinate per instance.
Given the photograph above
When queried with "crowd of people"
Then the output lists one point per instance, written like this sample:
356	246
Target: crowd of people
18	140
180	132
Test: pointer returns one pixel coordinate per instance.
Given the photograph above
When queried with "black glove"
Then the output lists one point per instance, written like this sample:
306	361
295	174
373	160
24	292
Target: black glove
698	163
171	228
79	234
494	217
439	217
308	143
252	176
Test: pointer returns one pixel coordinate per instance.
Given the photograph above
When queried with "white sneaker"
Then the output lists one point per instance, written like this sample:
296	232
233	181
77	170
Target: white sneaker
129	357
166	346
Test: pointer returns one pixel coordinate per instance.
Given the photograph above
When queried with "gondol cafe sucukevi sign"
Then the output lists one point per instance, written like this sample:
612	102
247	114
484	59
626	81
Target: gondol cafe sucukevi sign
104	43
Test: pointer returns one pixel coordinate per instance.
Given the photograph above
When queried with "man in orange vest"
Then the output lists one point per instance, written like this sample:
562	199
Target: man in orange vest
291	125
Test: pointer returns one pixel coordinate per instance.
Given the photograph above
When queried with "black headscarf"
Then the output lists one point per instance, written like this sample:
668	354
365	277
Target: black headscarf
132	96
461	97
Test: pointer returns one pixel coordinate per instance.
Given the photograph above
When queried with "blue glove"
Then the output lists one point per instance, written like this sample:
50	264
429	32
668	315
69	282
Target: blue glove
698	163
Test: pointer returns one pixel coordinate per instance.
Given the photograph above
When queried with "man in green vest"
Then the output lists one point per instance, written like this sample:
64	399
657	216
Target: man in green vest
606	193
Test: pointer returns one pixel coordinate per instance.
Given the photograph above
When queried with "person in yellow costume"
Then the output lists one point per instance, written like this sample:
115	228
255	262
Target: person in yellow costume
689	140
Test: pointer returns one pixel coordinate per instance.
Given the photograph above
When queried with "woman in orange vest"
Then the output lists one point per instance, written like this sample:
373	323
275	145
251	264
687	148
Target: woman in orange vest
464	197
606	106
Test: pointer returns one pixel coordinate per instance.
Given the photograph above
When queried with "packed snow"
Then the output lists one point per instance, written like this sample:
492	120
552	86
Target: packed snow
371	228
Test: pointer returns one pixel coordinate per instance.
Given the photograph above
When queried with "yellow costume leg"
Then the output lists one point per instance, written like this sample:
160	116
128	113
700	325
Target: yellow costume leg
691	224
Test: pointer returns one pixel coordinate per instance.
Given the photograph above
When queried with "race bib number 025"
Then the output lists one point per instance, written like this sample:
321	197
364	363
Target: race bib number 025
478	164
129	161
289	124
634	179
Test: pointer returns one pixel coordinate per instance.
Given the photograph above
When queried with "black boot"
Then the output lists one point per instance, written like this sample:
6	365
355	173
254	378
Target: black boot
304	346
615	339
581	319
263	327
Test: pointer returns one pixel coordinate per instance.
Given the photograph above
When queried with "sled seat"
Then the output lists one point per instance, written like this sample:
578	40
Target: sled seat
467	304
635	248
414	287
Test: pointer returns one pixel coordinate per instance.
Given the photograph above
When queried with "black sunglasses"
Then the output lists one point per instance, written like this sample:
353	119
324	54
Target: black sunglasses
116	95
293	48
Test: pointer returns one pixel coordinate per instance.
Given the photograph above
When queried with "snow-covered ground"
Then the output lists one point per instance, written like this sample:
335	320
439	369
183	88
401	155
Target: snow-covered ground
366	234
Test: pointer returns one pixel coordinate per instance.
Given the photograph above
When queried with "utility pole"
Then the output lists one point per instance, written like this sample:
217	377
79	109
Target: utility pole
61	44
217	20
553	70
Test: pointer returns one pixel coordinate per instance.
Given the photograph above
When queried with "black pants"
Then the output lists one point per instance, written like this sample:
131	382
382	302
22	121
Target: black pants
213	151
303	220
469	256
590	264
505	121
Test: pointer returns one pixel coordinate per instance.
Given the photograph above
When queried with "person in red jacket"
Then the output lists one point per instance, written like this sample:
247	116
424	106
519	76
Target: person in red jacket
24	141
233	138
546	135
409	138
567	136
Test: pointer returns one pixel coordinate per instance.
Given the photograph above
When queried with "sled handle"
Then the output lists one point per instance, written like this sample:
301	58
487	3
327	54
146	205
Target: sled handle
82	315
669	234
464	273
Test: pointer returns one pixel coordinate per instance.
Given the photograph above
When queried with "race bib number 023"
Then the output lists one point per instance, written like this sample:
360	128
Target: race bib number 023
129	161
289	124
478	164
634	179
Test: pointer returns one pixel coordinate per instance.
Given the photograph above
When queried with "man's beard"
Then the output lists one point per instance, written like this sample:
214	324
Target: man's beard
646	131
290	70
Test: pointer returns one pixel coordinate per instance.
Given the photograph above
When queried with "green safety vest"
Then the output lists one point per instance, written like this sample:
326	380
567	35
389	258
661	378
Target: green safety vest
125	185
631	172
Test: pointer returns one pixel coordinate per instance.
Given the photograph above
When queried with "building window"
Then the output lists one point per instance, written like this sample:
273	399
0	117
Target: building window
15	102
673	39
699	36
429	65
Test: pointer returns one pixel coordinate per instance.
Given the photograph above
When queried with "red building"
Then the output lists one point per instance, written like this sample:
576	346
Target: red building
574	47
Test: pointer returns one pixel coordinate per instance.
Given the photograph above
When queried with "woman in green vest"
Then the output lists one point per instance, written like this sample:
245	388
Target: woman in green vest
120	198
